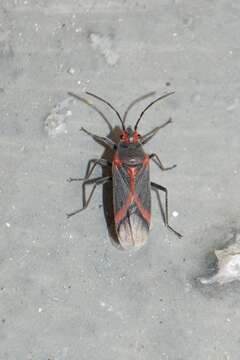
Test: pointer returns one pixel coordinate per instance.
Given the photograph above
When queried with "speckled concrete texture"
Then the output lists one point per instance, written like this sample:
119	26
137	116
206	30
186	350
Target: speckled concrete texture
66	293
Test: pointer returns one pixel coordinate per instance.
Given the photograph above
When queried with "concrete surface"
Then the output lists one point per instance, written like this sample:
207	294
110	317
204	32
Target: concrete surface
65	291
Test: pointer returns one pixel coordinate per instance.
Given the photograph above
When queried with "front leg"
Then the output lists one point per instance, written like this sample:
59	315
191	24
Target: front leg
100	139
158	162
158	187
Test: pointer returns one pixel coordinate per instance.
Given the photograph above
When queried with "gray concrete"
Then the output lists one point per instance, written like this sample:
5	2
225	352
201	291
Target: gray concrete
66	291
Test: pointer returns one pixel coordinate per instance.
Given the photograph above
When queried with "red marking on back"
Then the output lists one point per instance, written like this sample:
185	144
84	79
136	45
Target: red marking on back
145	213
132	172
145	160
122	212
116	160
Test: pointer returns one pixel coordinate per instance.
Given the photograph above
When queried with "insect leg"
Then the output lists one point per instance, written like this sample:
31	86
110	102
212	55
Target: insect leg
101	139
89	170
93	107
102	162
96	182
147	137
158	187
157	161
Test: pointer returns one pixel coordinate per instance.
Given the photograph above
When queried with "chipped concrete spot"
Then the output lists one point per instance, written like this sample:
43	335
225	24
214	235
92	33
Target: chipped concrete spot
228	264
103	44
55	122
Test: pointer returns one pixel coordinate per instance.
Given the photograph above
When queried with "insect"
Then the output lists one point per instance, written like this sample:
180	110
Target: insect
130	177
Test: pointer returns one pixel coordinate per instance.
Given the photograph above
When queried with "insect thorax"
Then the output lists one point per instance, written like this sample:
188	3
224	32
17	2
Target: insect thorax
131	152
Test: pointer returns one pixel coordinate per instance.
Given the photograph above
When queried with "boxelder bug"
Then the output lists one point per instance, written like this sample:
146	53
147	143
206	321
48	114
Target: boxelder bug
130	179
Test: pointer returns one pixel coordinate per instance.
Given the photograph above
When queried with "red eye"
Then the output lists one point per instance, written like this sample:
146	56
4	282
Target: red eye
136	137
124	136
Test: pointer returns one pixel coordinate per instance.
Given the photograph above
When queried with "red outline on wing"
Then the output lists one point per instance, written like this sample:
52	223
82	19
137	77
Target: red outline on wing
122	212
132	171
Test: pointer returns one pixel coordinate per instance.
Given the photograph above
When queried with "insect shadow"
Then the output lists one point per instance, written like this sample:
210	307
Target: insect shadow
110	143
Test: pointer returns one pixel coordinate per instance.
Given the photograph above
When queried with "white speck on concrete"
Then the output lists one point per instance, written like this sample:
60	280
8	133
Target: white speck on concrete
110	308
188	287
71	71
8	224
36	27
233	106
175	213
40	310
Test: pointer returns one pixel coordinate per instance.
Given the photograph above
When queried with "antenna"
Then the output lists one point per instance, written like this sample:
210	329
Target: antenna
147	107
92	106
106	102
135	102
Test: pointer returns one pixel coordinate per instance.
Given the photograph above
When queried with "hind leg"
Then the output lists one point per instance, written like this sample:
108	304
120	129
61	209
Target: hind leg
86	202
158	187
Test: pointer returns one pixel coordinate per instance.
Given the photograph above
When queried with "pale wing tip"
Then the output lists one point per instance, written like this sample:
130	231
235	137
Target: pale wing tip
132	233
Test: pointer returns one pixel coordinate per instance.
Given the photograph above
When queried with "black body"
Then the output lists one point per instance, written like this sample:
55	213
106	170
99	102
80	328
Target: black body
130	180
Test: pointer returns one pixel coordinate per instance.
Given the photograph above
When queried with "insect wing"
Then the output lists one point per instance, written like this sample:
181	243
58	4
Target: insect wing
132	210
121	193
143	194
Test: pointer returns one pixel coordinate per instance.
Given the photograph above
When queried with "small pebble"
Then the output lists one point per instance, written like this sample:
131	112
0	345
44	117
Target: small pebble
71	71
233	106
